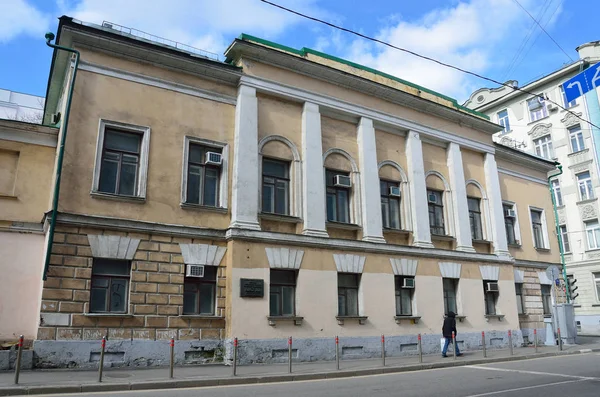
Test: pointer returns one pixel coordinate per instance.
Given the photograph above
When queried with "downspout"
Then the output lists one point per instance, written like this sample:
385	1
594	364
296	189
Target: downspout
61	151
560	243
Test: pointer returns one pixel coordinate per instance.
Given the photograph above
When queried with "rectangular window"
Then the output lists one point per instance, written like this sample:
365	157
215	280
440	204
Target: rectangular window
503	120
119	167
390	204
538	229
490	297
564	97
520	300
564	238
576	138
282	293
597	283
275	187
584	182
547	299
110	286
557	193
537	108
348	294
543	147
475	218
592	229
202	176
436	212
199	293
509	223
338	197
405	287
450	286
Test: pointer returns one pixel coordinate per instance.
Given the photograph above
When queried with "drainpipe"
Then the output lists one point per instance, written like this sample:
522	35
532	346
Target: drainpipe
560	243
61	150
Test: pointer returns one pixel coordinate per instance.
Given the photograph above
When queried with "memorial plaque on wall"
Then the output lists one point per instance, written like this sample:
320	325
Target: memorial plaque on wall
252	288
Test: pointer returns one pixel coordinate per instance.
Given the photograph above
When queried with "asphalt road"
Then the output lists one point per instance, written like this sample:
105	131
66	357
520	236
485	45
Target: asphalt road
576	375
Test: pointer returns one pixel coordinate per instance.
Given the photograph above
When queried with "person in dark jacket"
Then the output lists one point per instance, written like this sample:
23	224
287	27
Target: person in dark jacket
447	329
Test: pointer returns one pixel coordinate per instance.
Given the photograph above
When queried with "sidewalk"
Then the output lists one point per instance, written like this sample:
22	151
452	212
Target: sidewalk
73	381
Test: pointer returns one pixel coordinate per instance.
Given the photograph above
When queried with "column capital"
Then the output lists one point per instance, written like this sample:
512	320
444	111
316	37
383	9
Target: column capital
310	107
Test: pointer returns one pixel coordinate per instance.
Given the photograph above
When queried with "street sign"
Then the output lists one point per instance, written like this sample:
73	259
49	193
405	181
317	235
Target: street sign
552	272
585	81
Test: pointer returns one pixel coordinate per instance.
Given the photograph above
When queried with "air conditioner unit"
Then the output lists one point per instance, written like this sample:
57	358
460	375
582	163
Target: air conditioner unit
492	287
408	283
342	181
510	213
536	103
214	158
395	191
432	198
551	106
194	271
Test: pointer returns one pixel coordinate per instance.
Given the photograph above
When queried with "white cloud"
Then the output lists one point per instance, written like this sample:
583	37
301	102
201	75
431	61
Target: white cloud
18	17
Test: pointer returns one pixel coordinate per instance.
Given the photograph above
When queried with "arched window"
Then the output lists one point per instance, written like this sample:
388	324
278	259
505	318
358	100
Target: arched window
395	197
342	187
439	202
479	212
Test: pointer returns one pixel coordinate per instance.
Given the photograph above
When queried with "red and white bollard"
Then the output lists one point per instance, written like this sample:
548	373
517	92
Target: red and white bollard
510	344
101	367
383	350
420	347
290	354
337	353
172	362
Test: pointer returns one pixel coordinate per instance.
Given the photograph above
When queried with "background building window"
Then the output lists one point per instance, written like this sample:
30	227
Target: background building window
199	293
110	286
348	294
390	204
490	296
584	182
475	218
282	293
436	212
276	187
557	193
592	229
576	137
338	197
597	283
547	299
203	177
564	97
543	147
509	223
520	300
450	286
503	120
404	295
537	108
564	238
120	162
538	229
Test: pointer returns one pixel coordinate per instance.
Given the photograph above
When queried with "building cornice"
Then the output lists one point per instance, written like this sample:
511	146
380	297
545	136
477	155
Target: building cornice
522	158
536	264
35	134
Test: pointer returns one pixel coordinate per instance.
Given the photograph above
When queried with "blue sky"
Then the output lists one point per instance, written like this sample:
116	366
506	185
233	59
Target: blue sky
484	36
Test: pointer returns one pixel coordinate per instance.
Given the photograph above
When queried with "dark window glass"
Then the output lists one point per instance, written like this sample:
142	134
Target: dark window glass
490	298
282	293
390	205
338	198
110	286
202	178
276	186
120	162
436	212
348	294
547	299
475	218
509	225
536	224
199	293
404	297
450	289
520	301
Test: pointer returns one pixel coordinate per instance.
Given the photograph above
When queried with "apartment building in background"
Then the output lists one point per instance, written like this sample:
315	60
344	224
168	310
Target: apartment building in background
21	107
537	126
281	192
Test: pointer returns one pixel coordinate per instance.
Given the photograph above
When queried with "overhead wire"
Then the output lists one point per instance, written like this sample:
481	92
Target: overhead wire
425	57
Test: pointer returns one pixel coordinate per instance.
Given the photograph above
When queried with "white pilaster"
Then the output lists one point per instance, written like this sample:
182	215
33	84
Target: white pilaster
369	180
244	195
462	227
418	191
313	178
492	186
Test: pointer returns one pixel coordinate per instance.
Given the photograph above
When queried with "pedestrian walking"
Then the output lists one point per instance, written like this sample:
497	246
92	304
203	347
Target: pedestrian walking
447	329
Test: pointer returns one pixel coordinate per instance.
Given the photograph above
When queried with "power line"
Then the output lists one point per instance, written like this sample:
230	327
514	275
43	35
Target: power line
425	57
544	30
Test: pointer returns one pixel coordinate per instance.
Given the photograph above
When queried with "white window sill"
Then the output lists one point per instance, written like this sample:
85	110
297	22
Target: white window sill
578	152
538	120
200	207
279	217
498	317
341	225
439	237
540	249
109	315
586	201
274	319
413	319
401	232
118	197
361	319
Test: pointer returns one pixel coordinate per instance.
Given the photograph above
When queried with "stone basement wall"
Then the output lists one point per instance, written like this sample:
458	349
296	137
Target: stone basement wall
155	303
534	310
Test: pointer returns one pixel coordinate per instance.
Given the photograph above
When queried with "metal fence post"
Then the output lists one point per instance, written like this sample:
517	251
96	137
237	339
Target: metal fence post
290	355
535	341
337	352
560	344
420	347
383	350
483	344
235	348
510	344
453	345
101	367
172	364
18	363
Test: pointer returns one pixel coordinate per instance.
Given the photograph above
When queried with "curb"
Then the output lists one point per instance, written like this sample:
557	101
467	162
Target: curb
197	383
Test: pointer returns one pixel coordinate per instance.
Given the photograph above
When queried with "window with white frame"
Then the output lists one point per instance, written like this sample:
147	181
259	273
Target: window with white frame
576	137
339	188
405	287
121	160
503	120
390	204
584	182
557	193
474	205
276	187
204	173
597	284
450	288
436	212
564	238
543	147
537	108
537	226
510	223
490	292
520	298
547	299
564	97
592	229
